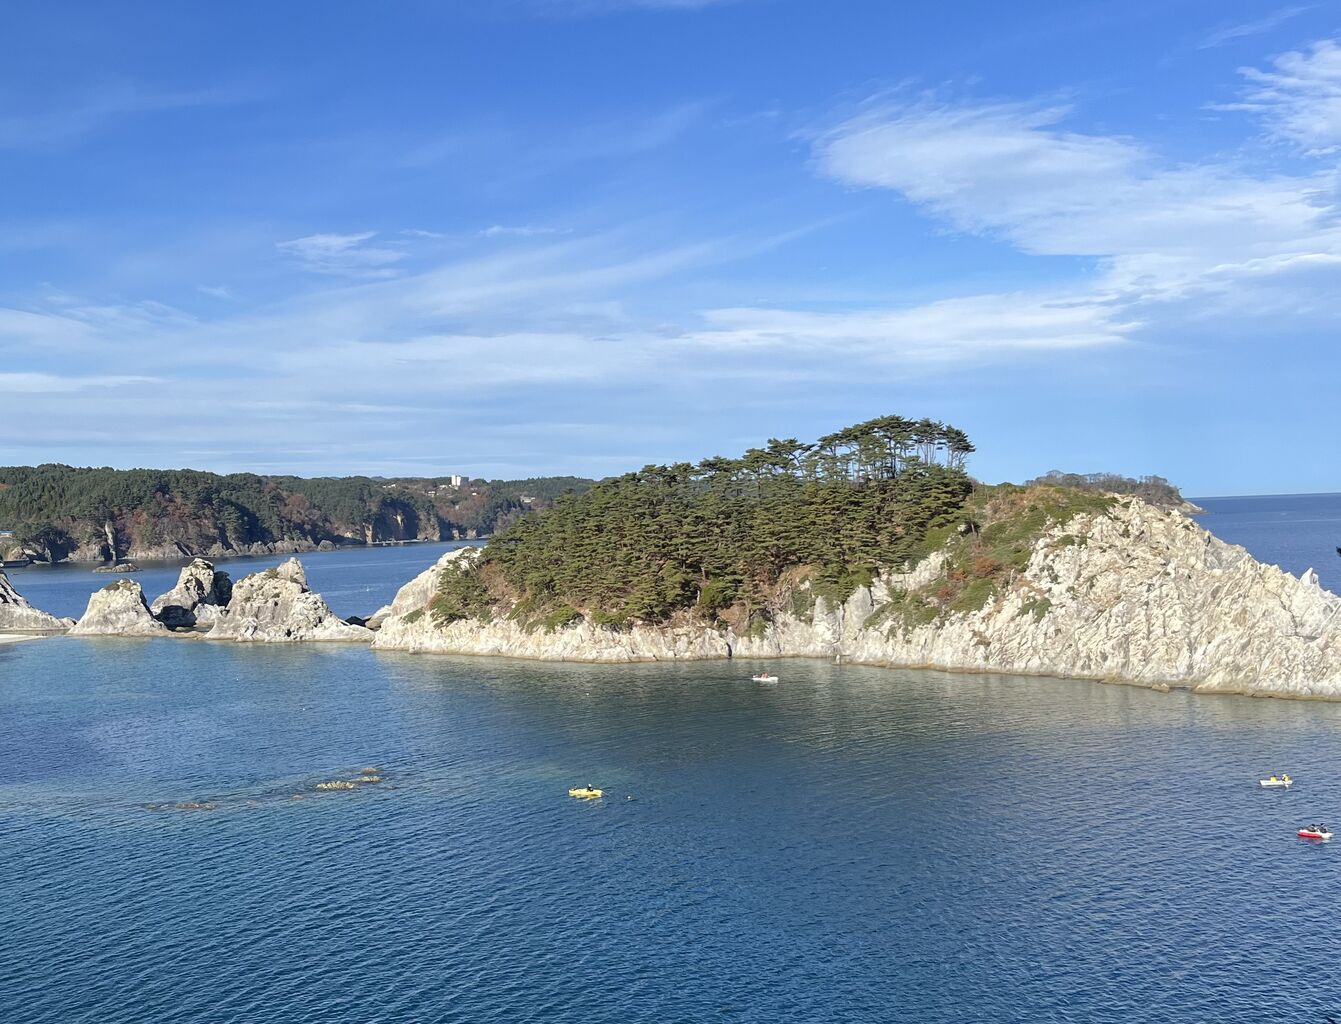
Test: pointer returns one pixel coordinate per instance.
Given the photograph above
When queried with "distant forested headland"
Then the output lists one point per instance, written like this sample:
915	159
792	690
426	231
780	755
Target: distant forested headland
56	512
1153	489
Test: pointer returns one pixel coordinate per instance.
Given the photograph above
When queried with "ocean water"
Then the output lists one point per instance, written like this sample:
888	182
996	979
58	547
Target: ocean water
851	844
354	581
1295	531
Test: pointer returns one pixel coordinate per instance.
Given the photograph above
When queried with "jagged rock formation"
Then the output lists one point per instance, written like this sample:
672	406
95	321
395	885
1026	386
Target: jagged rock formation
201	594
18	616
276	606
1134	594
118	609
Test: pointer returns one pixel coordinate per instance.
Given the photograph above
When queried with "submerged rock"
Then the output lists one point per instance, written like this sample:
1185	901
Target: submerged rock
276	606
201	594
119	567
18	616
118	609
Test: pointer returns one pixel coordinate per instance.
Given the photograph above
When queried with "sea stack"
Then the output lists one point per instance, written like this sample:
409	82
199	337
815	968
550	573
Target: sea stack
118	609
276	606
18	616
200	596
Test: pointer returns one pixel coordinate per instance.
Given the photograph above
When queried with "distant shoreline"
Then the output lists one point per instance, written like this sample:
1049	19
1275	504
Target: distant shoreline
89	565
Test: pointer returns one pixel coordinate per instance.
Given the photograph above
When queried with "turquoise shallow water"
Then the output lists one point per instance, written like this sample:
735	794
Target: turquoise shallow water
850	845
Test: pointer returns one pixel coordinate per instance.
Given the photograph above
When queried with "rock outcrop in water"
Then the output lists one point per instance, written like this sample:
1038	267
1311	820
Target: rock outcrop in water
276	606
200	596
118	609
1134	594
18	616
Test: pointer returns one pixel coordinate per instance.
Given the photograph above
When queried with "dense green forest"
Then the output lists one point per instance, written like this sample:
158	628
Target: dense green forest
1154	489
58	511
717	538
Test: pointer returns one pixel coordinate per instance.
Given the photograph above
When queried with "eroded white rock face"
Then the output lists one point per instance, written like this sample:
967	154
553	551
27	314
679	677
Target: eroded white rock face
18	616
201	594
419	591
118	609
1135	595
276	606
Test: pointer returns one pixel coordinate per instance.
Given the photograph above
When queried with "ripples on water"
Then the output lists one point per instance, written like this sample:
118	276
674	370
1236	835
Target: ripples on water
849	845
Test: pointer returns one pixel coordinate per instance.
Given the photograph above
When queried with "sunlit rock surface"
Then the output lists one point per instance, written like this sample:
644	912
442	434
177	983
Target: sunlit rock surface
118	609
18	616
1135	594
276	606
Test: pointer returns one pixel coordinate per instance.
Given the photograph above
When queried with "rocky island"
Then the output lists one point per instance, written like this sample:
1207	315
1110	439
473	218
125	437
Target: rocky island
277	606
871	546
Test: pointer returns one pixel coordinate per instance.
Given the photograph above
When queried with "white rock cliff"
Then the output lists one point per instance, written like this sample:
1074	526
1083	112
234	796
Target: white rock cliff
118	609
200	596
1134	595
18	616
276	606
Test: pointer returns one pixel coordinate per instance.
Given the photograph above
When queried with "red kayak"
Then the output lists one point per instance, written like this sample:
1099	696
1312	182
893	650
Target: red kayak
1308	833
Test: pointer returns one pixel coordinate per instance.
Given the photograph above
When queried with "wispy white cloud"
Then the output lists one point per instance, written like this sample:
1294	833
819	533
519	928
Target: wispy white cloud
215	291
57	125
24	328
972	329
50	383
1014	172
386	360
1242	30
1300	97
520	231
343	255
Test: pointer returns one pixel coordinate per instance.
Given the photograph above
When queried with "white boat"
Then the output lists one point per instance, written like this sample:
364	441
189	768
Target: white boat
1284	782
1314	833
764	678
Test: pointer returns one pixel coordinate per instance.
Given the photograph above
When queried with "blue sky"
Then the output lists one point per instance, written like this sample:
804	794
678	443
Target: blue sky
535	236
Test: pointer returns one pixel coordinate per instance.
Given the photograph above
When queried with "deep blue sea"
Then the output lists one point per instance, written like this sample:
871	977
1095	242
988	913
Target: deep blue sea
1295	531
852	844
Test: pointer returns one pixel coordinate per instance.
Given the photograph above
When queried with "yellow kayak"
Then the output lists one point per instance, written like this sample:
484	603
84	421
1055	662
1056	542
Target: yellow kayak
586	794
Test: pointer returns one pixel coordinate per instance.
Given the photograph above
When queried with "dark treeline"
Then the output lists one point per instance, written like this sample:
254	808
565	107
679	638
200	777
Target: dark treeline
1154	489
720	534
56	510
